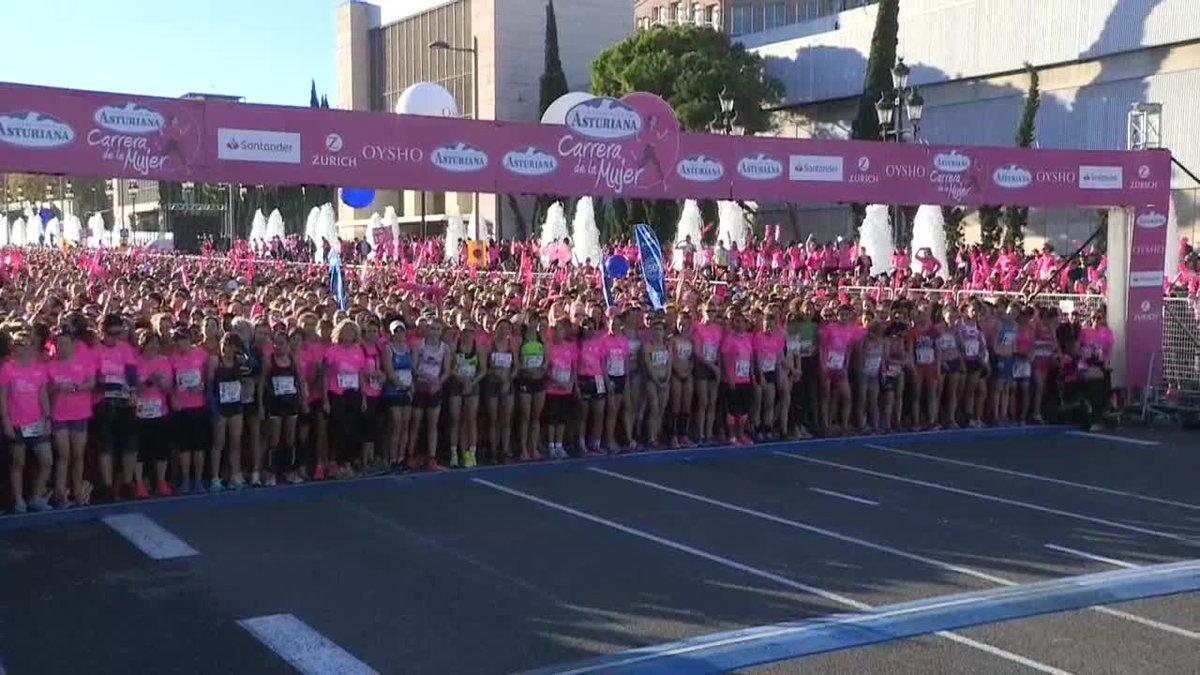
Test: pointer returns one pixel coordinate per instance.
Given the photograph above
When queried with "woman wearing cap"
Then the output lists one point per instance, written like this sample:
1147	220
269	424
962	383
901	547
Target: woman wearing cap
682	384
462	402
433	363
531	388
72	378
498	391
25	414
283	396
397	359
192	422
155	378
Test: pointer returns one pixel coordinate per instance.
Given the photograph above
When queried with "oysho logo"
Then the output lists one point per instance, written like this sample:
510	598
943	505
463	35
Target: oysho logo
905	171
333	142
1151	220
760	167
952	162
1012	177
130	118
604	118
700	169
256	145
1055	177
1101	177
28	129
530	162
459	158
816	168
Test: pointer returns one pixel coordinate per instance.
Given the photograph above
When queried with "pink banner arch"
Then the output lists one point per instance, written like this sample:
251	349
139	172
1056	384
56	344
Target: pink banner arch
631	147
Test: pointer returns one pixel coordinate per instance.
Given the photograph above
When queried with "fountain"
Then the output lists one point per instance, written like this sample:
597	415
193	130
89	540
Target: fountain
875	234
392	221
258	227
731	224
310	224
375	223
72	229
3	229
275	226
456	233
585	237
326	226
929	231
53	233
96	230
689	226
554	230
16	237
1171	268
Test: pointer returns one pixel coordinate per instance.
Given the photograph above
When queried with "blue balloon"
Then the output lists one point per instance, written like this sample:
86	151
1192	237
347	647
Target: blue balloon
358	198
45	215
617	266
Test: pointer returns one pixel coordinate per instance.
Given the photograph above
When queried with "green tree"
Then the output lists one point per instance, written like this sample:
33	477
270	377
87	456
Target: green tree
953	217
553	83
989	227
325	101
313	101
1017	217
688	66
879	70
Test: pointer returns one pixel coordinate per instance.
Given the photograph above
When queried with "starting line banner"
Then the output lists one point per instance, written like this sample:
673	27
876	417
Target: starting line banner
632	148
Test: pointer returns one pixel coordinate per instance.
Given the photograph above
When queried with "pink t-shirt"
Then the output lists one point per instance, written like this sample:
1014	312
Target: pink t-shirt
189	378
111	364
71	406
24	383
767	349
593	356
344	368
836	341
311	356
151	398
707	340
737	354
372	383
1096	343
617	359
561	357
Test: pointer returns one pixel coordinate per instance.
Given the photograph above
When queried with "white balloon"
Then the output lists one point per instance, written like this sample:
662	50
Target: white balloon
556	113
428	99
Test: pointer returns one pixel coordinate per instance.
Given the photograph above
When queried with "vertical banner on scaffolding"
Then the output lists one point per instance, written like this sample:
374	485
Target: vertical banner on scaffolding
1144	299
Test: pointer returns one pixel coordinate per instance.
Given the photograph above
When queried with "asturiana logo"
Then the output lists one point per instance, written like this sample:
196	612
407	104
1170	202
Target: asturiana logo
1012	177
29	129
952	162
530	162
604	118
459	158
130	118
760	167
1151	220
700	169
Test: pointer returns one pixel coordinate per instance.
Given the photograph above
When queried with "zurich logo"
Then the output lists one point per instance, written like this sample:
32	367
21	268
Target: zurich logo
530	162
130	118
864	163
604	118
952	162
333	143
1012	177
28	129
1143	172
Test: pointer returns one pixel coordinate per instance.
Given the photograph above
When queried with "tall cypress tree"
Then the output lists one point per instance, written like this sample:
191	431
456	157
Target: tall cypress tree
879	70
554	81
313	101
325	101
1017	217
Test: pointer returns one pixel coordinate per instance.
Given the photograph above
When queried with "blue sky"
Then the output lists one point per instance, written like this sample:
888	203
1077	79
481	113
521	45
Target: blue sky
264	50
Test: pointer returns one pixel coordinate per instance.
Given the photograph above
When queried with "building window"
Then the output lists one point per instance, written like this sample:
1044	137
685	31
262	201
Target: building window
712	15
662	15
697	14
774	15
677	13
741	19
812	9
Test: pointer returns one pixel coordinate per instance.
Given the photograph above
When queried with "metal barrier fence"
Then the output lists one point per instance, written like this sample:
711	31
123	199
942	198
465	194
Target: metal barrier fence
1181	344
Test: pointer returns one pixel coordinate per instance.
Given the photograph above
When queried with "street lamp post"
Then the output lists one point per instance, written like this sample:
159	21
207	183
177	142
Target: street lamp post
900	111
133	196
473	50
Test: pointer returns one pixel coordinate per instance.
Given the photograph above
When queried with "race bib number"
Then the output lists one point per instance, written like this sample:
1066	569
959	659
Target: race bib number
187	379
404	378
710	352
806	348
616	365
658	358
793	346
347	380
562	376
1022	369
742	368
149	408
600	388
532	361
229	392
283	385
502	360
34	430
1042	351
925	355
873	364
114	387
466	371
685	351
835	360
768	364
971	347
429	371
894	370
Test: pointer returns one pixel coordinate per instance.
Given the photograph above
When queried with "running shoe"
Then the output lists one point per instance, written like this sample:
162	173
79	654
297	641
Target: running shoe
469	461
185	487
20	507
294	478
140	491
237	483
270	480
432	465
454	458
162	489
40	504
216	485
255	479
318	472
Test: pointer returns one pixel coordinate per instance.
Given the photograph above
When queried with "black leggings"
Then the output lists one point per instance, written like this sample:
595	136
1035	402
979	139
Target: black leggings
345	424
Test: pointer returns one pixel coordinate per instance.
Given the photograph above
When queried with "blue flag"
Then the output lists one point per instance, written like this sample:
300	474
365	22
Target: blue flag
652	267
337	281
606	283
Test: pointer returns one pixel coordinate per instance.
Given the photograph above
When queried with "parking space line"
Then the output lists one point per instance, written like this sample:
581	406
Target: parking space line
1092	556
994	498
304	648
1111	437
839	495
150	537
753	571
1033	476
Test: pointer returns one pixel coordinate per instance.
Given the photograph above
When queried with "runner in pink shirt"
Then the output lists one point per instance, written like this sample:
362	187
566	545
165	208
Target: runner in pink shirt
737	368
25	411
342	370
768	356
155	379
113	420
593	381
617	364
706	342
837	339
72	377
191	418
562	356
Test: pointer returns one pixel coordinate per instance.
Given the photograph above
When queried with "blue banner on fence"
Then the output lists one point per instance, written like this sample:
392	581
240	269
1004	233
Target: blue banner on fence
337	280
652	267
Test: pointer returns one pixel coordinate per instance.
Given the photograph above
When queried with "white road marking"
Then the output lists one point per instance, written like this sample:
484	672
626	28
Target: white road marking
304	648
1034	476
150	537
994	498
1092	556
753	571
1111	437
840	495
940	564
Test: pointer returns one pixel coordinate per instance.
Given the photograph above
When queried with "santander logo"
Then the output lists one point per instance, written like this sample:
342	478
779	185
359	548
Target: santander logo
29	129
604	118
952	162
700	169
1151	220
760	167
530	162
130	118
459	158
1012	177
